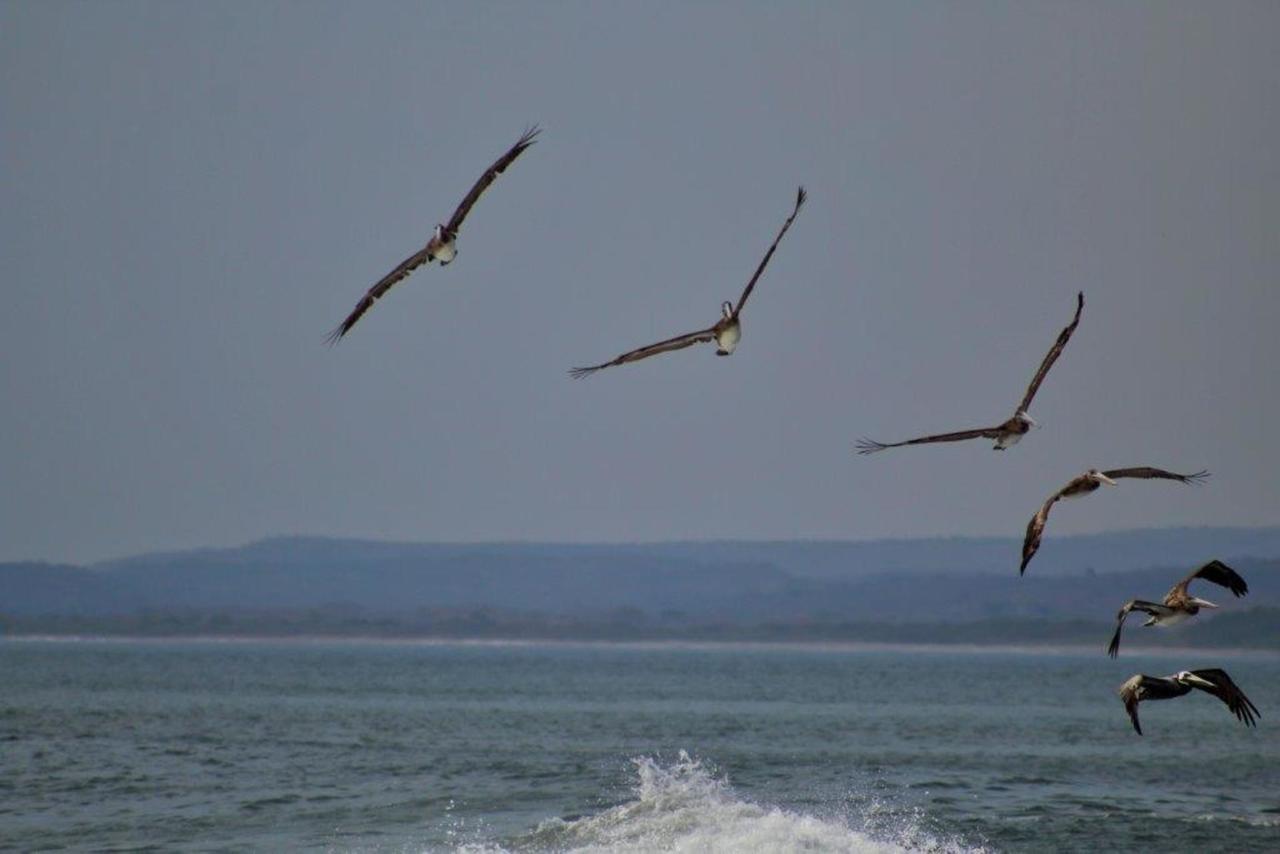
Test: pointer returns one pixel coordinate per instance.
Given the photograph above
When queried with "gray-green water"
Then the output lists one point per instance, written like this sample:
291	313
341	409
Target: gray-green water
413	747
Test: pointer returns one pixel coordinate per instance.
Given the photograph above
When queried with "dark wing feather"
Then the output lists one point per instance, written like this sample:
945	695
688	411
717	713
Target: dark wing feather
483	182
375	293
1217	572
1031	542
1035	528
870	446
1228	692
1129	694
1052	356
801	195
1152	608
1149	472
677	343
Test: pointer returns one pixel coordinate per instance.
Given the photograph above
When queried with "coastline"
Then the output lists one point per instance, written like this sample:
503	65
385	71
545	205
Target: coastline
657	645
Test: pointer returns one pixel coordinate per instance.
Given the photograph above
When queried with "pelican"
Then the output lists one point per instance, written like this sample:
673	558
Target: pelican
1083	485
726	332
1019	424
1141	687
443	243
1178	605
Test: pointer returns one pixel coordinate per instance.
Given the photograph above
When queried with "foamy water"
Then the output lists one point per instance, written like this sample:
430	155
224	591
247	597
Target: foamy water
686	807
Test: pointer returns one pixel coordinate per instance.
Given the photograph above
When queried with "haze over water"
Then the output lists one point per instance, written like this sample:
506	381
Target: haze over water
425	747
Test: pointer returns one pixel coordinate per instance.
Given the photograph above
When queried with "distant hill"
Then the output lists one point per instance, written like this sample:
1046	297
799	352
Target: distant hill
1117	551
47	588
909	582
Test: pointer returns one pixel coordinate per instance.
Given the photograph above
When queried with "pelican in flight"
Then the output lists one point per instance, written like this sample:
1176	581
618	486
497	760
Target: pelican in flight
1141	687
726	332
1083	485
443	243
1179	605
1007	434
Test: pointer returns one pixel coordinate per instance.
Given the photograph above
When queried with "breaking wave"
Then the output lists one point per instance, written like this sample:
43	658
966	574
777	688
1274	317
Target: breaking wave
685	807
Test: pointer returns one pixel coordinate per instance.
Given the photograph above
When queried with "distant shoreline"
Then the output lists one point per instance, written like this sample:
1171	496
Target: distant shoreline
643	645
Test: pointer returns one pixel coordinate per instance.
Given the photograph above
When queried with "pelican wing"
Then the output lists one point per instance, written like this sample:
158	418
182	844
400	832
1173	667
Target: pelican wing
1129	694
483	182
1217	572
404	268
1221	686
1031	542
677	343
1052	356
1149	472
870	446
801	195
1153	608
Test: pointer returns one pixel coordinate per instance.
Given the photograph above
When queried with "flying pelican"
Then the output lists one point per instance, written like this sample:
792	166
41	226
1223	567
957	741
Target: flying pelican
726	332
1083	485
442	246
1008	433
1141	687
1178	604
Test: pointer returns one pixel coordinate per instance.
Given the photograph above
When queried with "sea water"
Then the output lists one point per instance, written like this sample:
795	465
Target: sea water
408	747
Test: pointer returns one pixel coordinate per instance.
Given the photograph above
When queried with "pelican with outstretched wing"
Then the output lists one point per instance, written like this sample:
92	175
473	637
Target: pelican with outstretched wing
1178	604
1083	485
726	332
443	243
1018	425
1140	687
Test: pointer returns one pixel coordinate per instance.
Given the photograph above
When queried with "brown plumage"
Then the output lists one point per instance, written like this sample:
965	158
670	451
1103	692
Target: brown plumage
441	244
1178	604
1140	687
726	331
1010	431
1083	485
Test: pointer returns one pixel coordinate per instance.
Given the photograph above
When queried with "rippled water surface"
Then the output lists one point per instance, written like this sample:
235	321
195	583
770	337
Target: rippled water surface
415	747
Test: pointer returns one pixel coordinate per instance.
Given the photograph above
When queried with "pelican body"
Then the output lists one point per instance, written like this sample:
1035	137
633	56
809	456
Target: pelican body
443	245
1011	432
728	332
1086	483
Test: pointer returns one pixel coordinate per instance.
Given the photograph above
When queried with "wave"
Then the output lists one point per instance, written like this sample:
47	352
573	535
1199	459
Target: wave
685	807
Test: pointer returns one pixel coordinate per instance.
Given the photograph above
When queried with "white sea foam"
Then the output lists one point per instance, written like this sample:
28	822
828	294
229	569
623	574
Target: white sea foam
684	807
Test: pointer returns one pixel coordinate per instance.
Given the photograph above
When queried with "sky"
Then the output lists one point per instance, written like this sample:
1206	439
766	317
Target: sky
194	194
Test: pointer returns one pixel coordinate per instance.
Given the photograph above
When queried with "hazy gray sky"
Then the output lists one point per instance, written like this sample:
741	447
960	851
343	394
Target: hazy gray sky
194	194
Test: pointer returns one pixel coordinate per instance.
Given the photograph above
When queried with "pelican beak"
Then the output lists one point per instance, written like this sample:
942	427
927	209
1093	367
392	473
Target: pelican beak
1203	603
1102	478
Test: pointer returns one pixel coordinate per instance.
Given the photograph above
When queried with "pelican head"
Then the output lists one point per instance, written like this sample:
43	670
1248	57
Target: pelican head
726	308
1100	477
1186	677
1027	419
440	231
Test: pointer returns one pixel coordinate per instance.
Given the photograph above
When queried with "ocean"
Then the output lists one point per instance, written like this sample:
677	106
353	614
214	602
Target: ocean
111	745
